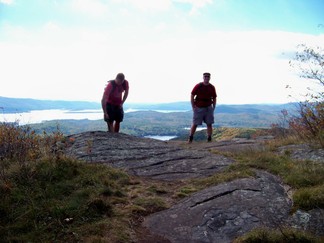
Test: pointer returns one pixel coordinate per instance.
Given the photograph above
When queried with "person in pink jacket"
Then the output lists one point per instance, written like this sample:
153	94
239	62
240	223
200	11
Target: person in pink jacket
114	96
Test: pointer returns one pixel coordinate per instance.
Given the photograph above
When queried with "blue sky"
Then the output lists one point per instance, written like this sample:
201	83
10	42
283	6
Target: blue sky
68	49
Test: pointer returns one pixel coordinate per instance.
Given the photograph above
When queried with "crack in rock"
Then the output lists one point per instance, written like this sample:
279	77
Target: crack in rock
168	160
223	212
221	195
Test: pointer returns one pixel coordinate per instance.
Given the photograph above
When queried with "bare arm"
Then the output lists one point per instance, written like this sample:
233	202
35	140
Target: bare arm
214	102
125	96
103	103
214	99
192	100
104	106
104	100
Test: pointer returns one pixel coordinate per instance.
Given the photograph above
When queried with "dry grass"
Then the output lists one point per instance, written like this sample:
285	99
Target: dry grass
47	196
285	235
305	177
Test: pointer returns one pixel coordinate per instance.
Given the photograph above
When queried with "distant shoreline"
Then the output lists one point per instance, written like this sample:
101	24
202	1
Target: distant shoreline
40	116
20	105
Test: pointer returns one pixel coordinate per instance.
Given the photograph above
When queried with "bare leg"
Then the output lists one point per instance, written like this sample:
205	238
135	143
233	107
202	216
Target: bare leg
192	132
110	126
209	132
193	129
116	126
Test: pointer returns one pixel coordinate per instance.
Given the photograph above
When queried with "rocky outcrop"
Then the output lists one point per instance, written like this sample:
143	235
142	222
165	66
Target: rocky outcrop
238	144
312	221
144	156
217	214
224	212
303	152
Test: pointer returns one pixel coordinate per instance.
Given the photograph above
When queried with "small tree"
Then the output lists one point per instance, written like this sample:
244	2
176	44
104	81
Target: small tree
309	123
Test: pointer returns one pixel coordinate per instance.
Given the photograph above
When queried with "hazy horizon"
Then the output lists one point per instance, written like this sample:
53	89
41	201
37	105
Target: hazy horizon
28	114
149	103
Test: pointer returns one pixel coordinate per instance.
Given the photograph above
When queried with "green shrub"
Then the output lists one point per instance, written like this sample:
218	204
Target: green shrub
309	198
48	197
265	235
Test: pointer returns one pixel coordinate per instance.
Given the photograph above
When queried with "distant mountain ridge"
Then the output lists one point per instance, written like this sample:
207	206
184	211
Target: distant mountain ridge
16	105
165	119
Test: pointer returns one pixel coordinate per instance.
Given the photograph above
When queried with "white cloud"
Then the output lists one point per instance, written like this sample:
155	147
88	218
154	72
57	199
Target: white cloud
162	5
148	5
162	58
161	27
51	27
90	7
7	1
196	3
246	67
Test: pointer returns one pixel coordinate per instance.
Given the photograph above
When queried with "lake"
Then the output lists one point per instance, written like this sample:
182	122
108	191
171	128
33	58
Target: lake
162	138
38	116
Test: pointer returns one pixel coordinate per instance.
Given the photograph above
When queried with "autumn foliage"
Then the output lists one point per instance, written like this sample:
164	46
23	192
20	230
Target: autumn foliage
309	123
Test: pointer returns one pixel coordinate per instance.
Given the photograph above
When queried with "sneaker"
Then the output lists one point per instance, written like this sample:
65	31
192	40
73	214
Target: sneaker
209	139
190	139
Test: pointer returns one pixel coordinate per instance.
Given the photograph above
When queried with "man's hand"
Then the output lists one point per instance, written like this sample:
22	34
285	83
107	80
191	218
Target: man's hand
193	105
106	117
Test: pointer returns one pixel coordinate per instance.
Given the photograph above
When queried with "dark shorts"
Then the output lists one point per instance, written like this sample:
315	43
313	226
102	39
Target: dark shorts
115	113
203	114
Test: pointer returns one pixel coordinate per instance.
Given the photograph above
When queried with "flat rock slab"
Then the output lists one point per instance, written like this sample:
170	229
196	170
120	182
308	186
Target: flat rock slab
224	212
303	152
233	145
144	156
217	214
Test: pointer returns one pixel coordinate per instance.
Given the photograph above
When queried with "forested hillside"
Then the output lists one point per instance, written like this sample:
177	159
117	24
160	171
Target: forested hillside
145	123
14	105
148	119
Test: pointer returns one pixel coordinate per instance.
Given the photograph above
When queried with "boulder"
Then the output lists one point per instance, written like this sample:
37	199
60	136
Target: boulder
223	212
303	152
312	221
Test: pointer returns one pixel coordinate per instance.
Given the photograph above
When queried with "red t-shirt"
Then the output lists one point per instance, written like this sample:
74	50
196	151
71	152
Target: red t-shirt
114	95
204	94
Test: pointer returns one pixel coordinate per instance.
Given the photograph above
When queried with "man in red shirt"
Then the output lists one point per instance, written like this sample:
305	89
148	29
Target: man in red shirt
203	102
112	101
